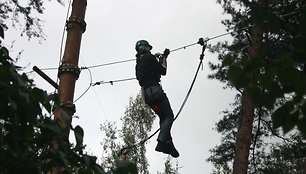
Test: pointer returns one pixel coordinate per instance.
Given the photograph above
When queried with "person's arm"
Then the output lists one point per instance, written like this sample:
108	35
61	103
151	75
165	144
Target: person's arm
164	61
165	55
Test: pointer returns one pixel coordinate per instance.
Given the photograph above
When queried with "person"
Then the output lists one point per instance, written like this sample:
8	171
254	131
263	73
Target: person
148	74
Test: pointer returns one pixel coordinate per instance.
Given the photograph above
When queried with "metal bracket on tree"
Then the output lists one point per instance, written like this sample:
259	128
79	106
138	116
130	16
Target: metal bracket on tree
68	105
77	20
69	68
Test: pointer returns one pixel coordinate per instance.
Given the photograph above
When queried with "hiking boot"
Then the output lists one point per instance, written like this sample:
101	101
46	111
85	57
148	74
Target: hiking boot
170	147
161	147
167	148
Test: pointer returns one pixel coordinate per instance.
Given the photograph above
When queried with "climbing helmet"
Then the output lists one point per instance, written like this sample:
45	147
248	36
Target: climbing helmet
142	43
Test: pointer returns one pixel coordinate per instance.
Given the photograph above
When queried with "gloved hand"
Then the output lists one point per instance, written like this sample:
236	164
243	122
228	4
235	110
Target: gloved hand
159	56
166	52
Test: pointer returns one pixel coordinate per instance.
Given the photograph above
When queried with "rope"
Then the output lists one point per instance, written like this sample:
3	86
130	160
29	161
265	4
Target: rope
204	44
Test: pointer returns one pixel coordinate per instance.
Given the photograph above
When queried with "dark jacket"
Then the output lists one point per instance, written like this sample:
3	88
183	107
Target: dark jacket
148	70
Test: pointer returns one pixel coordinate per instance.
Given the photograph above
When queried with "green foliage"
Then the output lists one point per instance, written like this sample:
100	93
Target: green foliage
272	152
223	154
111	146
137	123
169	168
28	135
288	157
24	16
125	167
275	79
1	33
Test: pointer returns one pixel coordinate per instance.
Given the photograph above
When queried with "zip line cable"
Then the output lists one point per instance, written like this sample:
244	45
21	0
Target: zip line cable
129	60
106	64
112	81
204	45
176	49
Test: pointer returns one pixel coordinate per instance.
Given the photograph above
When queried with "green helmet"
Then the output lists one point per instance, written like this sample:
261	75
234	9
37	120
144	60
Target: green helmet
141	43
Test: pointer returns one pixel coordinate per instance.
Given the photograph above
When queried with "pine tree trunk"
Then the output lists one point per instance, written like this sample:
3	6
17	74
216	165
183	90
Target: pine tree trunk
244	135
304	160
69	72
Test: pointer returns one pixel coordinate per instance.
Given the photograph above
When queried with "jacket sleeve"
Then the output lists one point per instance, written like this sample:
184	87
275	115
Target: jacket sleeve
157	66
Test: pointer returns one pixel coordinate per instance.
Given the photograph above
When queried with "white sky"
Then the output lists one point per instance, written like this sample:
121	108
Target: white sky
113	27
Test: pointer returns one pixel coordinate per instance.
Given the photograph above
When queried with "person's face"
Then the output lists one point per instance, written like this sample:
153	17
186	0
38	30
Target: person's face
144	48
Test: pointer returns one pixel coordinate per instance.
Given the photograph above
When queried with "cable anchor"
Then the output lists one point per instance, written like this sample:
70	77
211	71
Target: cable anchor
69	68
203	43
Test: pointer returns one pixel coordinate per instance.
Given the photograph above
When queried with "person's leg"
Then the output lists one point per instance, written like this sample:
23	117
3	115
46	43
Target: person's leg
164	139
158	101
166	120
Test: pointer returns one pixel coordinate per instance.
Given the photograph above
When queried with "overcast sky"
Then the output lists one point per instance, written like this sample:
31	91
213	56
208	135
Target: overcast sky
113	27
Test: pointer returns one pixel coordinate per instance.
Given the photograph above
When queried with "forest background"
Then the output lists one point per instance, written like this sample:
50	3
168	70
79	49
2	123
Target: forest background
274	84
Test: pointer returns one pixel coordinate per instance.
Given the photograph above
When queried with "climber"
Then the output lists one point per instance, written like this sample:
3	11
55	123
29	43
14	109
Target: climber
148	74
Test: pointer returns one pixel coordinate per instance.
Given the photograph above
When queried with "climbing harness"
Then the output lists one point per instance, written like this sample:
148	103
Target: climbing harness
203	43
